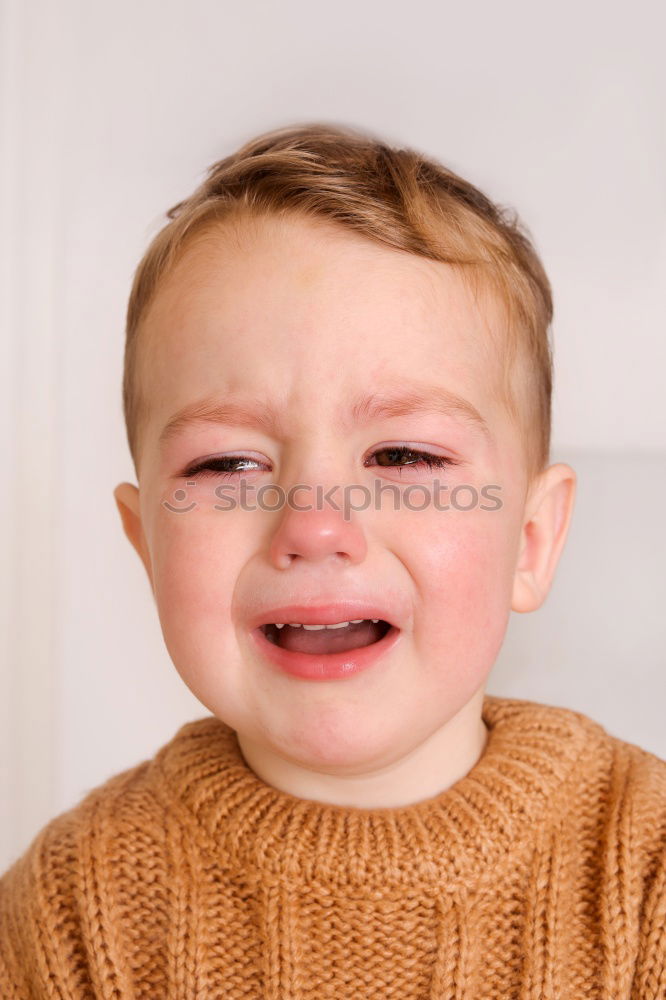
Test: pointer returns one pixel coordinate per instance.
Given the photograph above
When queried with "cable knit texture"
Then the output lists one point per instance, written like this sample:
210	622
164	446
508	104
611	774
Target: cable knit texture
540	874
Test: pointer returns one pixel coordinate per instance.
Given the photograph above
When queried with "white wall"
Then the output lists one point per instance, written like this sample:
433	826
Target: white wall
110	114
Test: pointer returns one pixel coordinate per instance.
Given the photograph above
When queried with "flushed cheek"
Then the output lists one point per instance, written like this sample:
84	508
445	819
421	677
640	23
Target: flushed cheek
196	567
464	577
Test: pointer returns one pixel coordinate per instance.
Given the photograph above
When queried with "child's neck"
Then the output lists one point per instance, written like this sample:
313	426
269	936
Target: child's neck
422	773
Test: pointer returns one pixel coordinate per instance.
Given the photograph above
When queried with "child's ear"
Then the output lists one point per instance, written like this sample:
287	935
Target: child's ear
127	500
548	512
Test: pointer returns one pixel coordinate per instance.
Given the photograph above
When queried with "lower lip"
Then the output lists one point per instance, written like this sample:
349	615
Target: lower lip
328	666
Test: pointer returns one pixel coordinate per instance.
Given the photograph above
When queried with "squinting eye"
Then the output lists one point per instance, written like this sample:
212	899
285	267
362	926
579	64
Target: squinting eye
415	458
224	466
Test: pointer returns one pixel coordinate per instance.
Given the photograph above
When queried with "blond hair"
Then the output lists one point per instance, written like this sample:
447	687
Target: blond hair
394	196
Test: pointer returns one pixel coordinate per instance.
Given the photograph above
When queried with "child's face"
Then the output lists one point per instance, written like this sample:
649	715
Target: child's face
306	319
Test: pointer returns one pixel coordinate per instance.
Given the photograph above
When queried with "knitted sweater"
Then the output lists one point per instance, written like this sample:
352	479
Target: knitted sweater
540	874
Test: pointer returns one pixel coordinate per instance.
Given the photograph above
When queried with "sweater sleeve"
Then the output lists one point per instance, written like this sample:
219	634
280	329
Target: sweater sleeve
14	955
50	933
650	972
649	823
41	948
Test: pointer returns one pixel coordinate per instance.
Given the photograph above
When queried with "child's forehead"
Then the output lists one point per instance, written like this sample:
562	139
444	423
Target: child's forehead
312	252
183	345
276	269
277	363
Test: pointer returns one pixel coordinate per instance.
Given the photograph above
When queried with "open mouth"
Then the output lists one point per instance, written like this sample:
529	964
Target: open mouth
326	639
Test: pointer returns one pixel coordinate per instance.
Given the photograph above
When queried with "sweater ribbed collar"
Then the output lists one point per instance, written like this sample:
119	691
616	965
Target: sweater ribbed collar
519	782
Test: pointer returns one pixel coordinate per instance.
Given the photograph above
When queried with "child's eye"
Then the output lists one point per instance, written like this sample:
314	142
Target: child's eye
229	465
226	465
414	458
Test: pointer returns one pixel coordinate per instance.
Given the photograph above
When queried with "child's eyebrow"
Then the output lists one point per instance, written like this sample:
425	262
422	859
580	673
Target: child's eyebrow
407	398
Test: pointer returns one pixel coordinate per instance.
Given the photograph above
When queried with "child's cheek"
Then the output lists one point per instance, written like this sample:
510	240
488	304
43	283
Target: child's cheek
197	561
464	571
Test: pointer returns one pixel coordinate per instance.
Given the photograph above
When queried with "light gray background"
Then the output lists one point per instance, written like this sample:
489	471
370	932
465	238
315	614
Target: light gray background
110	114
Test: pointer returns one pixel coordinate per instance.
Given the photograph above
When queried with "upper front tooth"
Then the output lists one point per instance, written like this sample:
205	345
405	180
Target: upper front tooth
337	625
354	621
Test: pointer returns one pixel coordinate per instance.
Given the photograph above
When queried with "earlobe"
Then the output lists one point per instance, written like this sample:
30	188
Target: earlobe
126	496
548	515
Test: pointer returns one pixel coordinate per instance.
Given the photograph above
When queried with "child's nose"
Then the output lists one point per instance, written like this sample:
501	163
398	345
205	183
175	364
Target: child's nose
310	527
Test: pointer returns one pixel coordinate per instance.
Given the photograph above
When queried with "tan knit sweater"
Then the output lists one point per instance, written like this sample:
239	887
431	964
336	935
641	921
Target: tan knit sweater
540	874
